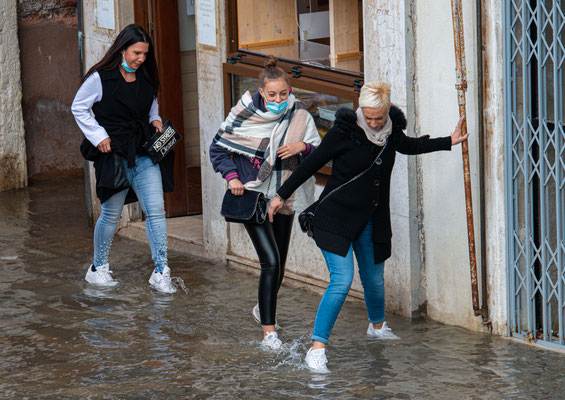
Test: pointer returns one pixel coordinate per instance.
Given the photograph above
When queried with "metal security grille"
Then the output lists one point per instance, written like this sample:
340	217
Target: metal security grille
535	163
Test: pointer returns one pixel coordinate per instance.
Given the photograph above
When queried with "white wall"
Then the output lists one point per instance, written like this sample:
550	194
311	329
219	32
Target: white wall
13	170
386	40
494	164
444	228
211	114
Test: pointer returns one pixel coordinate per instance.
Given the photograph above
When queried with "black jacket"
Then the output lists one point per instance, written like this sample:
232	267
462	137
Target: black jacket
124	113
341	218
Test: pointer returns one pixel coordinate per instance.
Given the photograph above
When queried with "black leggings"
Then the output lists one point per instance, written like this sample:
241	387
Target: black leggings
271	244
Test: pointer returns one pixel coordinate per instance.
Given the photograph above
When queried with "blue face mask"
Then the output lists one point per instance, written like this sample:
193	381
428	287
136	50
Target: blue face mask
276	108
126	66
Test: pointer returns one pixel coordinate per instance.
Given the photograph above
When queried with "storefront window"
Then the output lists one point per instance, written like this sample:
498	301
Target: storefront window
321	33
321	106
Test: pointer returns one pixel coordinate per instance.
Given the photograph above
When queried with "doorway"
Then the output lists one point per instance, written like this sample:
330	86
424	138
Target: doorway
175	50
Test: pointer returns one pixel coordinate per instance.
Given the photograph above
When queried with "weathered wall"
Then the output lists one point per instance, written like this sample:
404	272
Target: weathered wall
385	39
444	228
211	114
494	164
13	171
50	78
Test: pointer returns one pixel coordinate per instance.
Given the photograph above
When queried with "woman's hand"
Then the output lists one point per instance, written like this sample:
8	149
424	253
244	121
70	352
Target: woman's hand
456	136
104	146
274	207
158	125
236	187
291	149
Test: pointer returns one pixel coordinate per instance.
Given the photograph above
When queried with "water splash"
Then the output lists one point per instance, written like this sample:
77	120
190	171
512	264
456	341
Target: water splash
179	284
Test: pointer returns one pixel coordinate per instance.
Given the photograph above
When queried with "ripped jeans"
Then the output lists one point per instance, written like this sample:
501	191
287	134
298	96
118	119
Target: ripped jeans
145	180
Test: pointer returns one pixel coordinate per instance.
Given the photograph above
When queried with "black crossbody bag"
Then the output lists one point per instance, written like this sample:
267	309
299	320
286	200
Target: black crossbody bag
306	217
250	207
161	143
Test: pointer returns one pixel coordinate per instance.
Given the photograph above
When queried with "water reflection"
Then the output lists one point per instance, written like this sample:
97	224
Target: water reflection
63	339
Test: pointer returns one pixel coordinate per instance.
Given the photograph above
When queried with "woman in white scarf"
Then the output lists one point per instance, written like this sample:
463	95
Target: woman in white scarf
257	147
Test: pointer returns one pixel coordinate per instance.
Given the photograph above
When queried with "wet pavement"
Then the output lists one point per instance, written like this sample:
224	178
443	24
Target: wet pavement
62	339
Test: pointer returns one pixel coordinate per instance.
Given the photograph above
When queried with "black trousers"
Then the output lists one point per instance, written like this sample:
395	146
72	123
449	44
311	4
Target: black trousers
271	242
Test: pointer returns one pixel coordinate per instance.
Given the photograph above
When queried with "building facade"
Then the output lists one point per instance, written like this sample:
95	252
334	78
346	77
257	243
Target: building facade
329	52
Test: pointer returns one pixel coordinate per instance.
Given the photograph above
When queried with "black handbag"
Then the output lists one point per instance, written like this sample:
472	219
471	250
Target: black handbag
161	143
306	217
250	207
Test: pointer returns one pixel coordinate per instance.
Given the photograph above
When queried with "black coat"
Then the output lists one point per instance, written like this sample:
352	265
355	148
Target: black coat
340	219
123	112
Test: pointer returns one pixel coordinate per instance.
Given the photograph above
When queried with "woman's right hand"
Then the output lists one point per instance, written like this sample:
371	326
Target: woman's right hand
236	187
275	205
104	146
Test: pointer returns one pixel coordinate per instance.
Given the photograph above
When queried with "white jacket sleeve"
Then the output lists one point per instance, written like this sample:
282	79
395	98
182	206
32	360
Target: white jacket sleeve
154	111
89	93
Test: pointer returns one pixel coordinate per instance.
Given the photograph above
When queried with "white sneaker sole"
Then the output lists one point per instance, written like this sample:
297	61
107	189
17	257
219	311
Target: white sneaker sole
172	291
104	284
318	371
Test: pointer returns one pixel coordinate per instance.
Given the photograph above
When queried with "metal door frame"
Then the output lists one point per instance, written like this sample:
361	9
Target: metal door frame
534	58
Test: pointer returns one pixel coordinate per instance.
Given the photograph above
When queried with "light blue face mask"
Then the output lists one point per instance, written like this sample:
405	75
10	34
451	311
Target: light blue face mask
126	66
276	108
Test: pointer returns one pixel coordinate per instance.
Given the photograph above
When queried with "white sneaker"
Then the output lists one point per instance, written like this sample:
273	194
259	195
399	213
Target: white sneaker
162	281
271	341
316	360
101	277
384	333
255	313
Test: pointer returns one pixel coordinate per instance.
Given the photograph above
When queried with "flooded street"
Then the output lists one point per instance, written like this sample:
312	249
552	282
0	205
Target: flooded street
63	339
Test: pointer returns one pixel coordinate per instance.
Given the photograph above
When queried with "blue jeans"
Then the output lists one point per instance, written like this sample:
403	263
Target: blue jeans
145	180
341	276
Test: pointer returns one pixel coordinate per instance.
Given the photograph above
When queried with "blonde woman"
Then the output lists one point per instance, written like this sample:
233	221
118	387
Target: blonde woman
363	142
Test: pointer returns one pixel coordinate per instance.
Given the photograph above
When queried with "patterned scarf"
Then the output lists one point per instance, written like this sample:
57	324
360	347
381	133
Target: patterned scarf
254	133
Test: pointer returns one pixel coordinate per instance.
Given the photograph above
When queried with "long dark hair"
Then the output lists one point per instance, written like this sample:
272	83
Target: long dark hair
130	35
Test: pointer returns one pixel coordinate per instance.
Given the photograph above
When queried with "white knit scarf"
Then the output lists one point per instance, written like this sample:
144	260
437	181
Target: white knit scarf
377	137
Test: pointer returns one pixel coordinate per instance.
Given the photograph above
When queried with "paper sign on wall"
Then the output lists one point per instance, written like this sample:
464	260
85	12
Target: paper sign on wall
206	22
105	14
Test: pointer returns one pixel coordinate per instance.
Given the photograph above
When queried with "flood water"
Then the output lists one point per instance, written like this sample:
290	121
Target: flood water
63	339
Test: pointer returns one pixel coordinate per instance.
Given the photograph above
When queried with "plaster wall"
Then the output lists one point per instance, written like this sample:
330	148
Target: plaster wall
385	41
211	114
13	170
50	78
446	278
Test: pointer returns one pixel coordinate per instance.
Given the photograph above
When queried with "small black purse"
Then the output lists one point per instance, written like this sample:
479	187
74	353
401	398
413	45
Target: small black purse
306	217
249	208
161	143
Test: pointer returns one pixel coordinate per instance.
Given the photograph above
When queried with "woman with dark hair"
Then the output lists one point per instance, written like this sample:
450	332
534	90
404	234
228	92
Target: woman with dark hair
121	91
260	143
352	215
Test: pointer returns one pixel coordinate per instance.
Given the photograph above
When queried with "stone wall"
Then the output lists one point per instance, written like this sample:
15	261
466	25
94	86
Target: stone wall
13	172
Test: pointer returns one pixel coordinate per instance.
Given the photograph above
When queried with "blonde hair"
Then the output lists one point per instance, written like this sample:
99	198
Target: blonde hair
375	95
